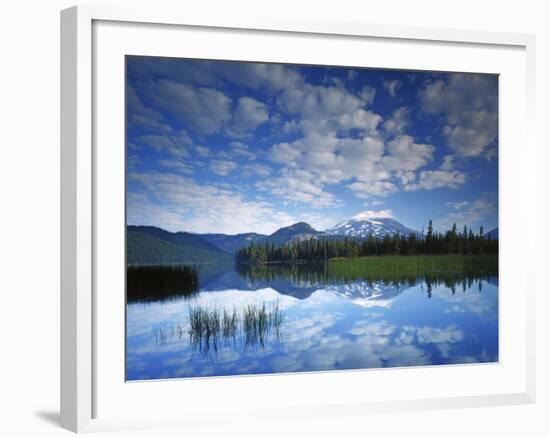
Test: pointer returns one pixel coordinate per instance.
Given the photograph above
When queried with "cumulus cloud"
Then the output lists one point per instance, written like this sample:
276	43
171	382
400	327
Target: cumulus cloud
469	213
143	117
368	94
272	77
296	186
392	86
241	150
205	109
405	154
376	188
222	167
174	145
366	163
327	135
359	119
370	214
283	153
248	115
177	202
177	165
351	75
256	169
399	120
202	151
469	105
326	116
437	179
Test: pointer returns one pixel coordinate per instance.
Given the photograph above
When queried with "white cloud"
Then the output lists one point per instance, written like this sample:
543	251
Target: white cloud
222	167
202	151
368	94
177	165
322	108
467	213
352	74
373	203
469	104
175	145
326	115
392	86
248	115
437	179
256	169
406	177
375	188
283	153
206	110
398	121
458	205
141	116
405	154
370	214
366	162
432	335
358	119
273	77
448	162
298	187
177	203
291	126
241	150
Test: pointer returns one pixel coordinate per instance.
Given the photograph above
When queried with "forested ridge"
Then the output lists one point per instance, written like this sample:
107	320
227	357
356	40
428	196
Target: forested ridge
452	241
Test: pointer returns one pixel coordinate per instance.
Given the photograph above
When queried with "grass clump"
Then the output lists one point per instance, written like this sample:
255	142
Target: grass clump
162	282
208	327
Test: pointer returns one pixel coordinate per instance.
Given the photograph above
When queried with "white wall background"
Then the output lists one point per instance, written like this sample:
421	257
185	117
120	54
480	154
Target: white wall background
29	215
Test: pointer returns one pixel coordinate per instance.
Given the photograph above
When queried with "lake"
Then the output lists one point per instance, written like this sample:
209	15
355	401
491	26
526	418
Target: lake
293	318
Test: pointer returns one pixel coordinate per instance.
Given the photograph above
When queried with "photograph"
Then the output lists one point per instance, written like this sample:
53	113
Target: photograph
286	218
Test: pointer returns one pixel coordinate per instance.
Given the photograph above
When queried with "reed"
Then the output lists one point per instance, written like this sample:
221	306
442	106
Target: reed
158	283
208	327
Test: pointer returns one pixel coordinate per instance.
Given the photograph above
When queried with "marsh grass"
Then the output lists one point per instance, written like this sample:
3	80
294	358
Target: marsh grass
431	268
209	328
452	271
158	283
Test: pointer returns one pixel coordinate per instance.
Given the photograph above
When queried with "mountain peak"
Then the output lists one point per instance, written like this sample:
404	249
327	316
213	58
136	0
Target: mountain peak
370	215
295	232
300	226
371	223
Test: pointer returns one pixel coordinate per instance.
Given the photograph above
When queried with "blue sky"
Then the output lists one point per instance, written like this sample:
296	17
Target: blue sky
231	147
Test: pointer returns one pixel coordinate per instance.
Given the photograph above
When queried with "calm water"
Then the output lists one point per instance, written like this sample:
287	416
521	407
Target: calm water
322	323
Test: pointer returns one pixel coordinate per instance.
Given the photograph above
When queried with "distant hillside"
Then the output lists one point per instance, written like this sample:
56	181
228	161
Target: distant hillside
152	245
232	243
297	232
493	234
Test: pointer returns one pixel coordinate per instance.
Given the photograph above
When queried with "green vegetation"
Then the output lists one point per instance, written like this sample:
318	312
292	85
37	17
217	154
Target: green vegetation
396	267
152	283
153	246
314	250
208	327
452	271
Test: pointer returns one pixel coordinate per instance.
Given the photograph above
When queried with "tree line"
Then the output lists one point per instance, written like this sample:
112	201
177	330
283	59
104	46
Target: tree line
433	242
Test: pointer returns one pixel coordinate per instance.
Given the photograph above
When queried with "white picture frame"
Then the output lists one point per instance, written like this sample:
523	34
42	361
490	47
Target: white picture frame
82	369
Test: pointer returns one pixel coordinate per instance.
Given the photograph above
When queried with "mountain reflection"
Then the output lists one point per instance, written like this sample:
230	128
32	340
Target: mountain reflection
296	280
304	317
301	280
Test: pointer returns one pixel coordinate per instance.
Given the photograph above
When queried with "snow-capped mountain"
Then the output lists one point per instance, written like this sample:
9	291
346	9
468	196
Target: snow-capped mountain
365	224
368	294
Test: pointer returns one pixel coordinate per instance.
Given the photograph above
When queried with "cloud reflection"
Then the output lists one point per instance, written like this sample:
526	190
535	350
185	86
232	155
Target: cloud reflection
332	329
